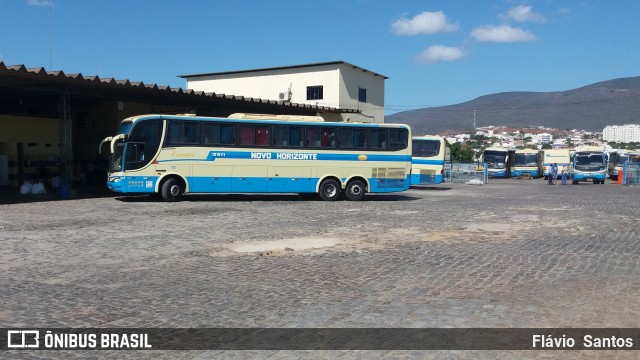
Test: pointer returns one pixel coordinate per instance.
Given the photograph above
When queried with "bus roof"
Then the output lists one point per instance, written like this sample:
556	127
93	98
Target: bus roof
590	148
247	116
498	148
265	118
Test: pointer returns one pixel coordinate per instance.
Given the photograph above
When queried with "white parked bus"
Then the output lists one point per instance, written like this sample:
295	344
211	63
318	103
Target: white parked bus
589	163
430	155
617	159
178	154
561	157
499	161
527	161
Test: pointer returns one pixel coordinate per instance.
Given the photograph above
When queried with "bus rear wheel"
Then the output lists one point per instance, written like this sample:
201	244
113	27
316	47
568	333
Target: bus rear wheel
355	190
329	190
172	189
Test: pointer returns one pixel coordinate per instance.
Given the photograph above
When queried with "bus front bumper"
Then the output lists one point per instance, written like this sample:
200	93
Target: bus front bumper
533	173
132	184
582	176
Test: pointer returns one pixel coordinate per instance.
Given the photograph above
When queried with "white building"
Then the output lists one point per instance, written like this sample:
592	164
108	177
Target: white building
543	138
336	84
621	133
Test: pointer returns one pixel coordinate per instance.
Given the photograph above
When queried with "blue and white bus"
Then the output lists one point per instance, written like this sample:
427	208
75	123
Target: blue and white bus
178	154
589	163
499	161
527	161
430	155
617	159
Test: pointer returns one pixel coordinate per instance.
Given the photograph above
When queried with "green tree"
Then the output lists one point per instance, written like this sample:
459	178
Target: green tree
461	153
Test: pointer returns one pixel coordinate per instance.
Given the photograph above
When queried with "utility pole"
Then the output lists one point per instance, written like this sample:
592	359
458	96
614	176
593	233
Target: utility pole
474	119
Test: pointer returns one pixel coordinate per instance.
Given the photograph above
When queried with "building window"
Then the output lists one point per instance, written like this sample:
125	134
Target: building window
314	92
362	95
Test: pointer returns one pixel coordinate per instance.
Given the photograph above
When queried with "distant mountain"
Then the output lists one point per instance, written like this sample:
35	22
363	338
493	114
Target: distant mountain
591	108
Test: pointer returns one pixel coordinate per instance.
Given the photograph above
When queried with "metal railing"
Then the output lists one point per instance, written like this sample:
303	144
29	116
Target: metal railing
631	173
459	173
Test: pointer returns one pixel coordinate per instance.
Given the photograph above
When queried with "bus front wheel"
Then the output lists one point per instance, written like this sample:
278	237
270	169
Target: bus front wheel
329	190
355	190
172	189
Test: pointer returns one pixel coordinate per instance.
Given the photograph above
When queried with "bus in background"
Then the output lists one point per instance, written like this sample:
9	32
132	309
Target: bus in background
527	161
499	161
617	159
561	157
589	163
430	155
178	154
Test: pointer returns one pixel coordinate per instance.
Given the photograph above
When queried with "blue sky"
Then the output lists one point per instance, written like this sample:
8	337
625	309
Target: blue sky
434	52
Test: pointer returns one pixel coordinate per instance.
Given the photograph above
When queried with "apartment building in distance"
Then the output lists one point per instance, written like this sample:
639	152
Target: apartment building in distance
621	133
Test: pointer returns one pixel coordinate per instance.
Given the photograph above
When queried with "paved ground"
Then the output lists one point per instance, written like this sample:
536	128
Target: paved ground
507	254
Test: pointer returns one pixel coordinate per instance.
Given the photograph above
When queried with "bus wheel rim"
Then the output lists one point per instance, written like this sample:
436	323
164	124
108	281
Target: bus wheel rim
175	190
330	190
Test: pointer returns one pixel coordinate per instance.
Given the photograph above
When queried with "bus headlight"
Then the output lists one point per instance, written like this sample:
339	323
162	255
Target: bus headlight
116	179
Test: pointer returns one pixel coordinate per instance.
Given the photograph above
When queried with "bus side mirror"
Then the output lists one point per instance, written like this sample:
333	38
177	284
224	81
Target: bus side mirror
107	139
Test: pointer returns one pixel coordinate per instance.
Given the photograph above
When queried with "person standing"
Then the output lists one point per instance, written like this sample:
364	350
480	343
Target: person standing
563	175
554	173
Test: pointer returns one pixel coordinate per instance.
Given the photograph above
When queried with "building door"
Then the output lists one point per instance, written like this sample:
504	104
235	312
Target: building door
4	170
20	164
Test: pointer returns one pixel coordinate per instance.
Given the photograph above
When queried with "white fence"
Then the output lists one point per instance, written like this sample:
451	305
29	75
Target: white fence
466	173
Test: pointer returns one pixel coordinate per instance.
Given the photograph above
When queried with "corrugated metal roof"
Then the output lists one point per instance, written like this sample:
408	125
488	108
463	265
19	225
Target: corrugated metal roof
78	79
283	68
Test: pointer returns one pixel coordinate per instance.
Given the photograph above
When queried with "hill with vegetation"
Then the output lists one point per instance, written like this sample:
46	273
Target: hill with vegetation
591	108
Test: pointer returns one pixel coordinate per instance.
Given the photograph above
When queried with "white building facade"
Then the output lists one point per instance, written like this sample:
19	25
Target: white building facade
336	84
621	133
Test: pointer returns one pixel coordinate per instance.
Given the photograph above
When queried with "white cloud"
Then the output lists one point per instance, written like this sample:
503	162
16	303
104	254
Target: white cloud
38	2
437	53
501	33
424	23
524	13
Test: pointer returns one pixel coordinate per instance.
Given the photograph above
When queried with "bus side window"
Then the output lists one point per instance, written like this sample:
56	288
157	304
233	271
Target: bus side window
360	138
210	134
398	139
345	138
173	133
328	139
190	135
227	134
280	135
246	135
314	137
373	138
262	135
295	136
378	139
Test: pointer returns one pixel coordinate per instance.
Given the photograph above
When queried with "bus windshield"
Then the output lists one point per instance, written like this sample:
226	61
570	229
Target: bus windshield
124	128
589	161
621	159
526	160
495	159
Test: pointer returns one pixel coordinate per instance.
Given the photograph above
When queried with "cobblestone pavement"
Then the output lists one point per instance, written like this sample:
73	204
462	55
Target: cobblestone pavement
507	254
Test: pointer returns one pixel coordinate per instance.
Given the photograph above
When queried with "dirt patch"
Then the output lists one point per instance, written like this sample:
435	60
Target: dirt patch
277	247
